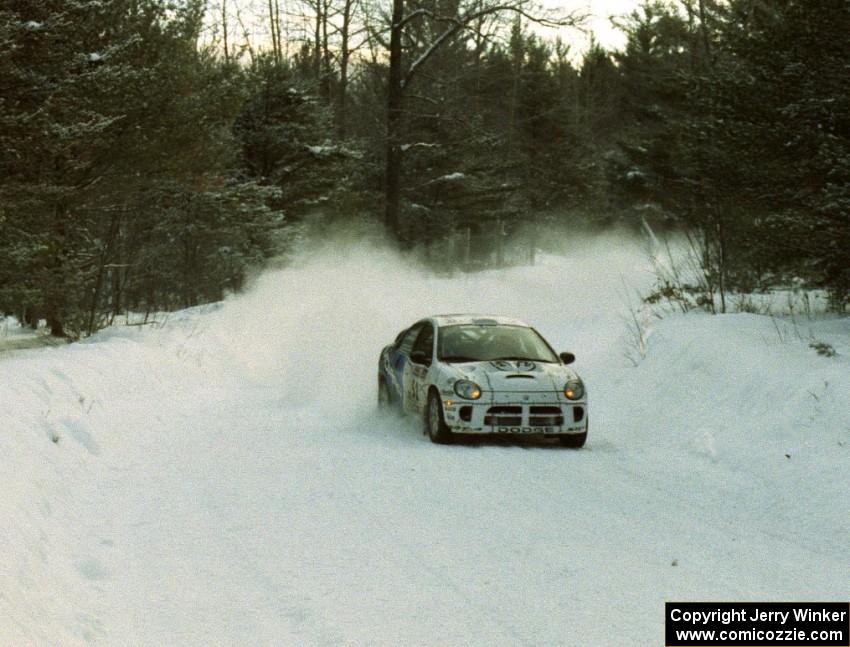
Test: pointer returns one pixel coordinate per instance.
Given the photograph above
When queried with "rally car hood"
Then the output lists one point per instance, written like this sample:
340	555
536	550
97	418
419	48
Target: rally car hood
504	375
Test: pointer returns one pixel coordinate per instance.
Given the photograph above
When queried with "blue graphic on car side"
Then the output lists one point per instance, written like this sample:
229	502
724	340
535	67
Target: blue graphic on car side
398	361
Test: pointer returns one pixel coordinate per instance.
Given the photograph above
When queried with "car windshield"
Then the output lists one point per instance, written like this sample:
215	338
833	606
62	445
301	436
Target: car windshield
482	343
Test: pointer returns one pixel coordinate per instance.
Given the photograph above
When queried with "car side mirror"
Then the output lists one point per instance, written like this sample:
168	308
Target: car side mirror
567	358
419	357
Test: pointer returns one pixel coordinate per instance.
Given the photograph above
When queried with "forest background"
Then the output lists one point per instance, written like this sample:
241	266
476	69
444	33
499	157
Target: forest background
154	153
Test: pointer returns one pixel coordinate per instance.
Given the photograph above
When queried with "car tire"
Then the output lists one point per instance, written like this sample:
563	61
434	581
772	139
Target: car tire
384	401
574	440
435	423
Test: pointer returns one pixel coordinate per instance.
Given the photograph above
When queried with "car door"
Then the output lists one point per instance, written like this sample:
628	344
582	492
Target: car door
415	374
399	357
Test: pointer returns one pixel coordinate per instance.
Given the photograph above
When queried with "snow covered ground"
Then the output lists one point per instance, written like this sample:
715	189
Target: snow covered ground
223	479
14	336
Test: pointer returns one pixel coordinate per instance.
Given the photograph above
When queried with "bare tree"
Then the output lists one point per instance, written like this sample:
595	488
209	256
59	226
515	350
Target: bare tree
246	35
344	58
224	30
469	18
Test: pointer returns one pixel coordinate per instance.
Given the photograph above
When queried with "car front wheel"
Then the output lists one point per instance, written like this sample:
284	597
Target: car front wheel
575	440
435	424
384	403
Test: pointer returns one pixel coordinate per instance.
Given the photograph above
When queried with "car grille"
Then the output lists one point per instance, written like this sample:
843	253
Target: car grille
512	416
541	416
503	415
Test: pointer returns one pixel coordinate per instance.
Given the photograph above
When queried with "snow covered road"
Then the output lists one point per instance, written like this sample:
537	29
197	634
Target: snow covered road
225	480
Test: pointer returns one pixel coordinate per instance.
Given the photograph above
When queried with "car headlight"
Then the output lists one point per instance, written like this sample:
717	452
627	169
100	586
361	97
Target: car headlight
467	389
574	390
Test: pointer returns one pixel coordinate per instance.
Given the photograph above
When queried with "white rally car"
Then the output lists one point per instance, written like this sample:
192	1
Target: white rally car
479	374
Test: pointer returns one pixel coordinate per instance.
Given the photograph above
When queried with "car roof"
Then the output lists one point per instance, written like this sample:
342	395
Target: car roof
480	319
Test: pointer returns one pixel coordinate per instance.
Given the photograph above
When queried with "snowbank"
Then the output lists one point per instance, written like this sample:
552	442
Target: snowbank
222	476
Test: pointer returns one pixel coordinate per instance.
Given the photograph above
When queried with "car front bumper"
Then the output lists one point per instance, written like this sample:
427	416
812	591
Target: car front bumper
511	417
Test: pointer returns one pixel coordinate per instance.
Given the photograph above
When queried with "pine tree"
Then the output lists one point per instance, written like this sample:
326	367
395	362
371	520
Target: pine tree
117	143
55	136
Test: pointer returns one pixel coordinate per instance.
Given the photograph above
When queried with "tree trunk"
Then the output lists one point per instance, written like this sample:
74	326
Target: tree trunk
118	274
395	96
275	44
105	256
326	55
56	328
317	43
344	57
722	260
704	28
53	300
277	31
224	30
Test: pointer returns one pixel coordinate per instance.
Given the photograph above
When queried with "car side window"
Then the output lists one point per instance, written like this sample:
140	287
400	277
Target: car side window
399	337
425	341
406	343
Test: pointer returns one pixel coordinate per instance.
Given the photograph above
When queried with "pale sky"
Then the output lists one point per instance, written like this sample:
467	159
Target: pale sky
600	23
254	13
600	11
